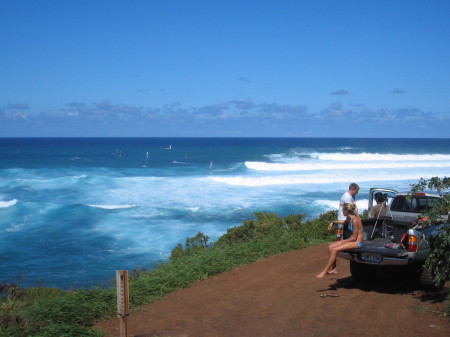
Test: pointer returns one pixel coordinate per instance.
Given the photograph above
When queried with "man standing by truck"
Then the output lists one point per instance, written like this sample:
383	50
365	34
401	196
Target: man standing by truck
348	198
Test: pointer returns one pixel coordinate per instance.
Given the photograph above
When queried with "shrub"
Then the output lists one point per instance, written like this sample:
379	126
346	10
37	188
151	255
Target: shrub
193	245
439	259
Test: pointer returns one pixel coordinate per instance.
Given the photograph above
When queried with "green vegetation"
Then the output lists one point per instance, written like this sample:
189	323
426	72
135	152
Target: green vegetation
47	312
439	259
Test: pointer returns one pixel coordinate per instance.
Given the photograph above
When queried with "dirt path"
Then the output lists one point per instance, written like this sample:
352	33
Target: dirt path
280	297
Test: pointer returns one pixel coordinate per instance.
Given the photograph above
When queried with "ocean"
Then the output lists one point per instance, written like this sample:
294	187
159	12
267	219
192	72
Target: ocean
74	210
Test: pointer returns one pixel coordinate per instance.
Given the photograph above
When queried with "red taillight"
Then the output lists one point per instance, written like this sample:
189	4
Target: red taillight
422	194
412	243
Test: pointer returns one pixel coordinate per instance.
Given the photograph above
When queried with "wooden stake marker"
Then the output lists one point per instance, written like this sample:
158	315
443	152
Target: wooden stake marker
123	301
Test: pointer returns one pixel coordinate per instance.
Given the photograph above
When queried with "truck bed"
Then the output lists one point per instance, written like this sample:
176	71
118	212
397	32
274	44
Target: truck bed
378	234
378	246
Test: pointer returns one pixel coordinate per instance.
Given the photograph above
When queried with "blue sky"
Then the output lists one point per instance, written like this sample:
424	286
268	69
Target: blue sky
348	68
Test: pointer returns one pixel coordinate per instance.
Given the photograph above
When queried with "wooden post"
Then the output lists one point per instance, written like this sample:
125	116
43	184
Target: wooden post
123	301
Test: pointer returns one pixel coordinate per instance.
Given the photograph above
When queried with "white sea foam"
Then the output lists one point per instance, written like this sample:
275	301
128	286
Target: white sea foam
330	204
334	204
364	156
112	206
362	204
15	228
321	165
361	156
181	162
6	204
233	167
316	179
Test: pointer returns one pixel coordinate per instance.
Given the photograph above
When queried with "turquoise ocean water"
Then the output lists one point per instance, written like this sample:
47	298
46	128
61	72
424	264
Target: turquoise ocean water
74	210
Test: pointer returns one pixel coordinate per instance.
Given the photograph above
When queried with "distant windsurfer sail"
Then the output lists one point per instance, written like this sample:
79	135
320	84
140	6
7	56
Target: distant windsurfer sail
211	166
147	156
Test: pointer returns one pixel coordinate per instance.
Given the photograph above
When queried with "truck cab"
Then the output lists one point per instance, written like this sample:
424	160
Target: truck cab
404	205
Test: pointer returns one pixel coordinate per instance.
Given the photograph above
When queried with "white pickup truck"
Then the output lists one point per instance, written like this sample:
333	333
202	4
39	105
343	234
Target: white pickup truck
398	238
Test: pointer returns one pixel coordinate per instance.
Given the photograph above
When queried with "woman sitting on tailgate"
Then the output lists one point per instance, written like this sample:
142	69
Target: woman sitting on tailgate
355	241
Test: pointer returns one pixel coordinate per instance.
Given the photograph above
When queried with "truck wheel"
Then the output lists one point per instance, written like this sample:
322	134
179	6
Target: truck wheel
426	280
362	272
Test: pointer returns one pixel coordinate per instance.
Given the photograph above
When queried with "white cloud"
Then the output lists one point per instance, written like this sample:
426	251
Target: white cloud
233	118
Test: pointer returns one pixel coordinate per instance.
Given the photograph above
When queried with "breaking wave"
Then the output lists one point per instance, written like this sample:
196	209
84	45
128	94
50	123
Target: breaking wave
6	204
310	166
344	161
313	179
112	206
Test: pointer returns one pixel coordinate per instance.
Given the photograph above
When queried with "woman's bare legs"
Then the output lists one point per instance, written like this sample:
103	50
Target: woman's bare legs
331	261
333	249
333	267
332	270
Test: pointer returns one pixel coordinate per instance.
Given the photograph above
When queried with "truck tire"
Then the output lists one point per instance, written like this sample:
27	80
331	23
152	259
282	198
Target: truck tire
362	272
426	280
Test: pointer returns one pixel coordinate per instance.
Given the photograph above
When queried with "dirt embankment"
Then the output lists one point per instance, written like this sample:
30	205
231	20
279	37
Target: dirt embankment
280	297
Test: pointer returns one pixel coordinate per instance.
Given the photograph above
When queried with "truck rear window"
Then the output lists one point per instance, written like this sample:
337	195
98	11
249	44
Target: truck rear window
414	204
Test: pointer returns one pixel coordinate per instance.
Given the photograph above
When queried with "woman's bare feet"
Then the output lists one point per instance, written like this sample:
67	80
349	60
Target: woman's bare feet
321	275
329	272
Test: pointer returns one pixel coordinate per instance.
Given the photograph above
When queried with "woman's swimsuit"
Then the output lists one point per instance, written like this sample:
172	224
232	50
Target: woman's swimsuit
350	228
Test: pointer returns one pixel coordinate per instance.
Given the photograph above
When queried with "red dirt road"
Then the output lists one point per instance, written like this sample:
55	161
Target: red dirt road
280	297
